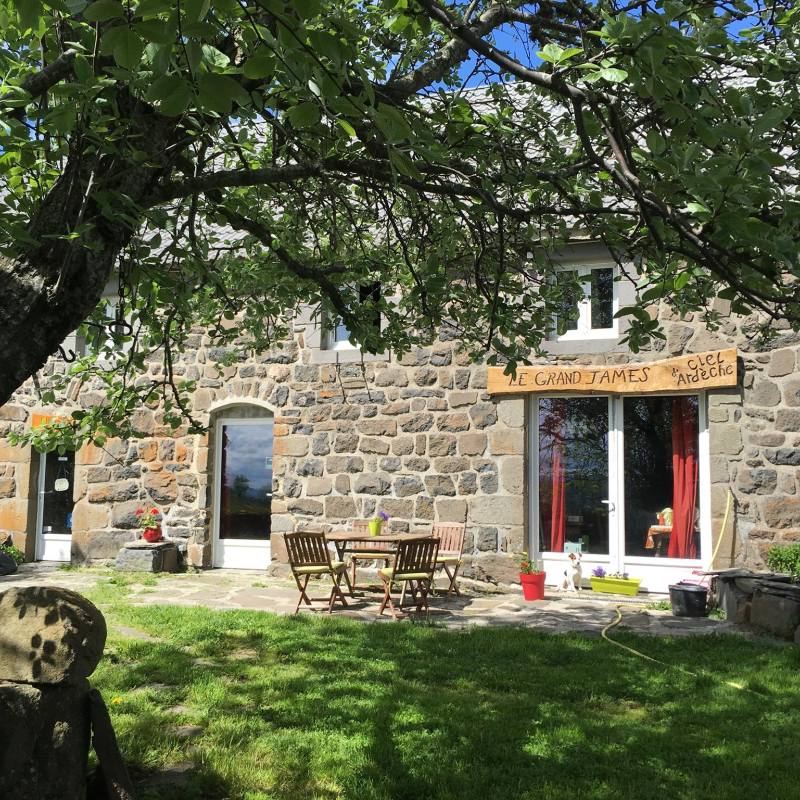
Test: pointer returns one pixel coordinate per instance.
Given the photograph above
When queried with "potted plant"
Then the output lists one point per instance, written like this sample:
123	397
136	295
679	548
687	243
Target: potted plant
376	523
531	576
618	583
150	522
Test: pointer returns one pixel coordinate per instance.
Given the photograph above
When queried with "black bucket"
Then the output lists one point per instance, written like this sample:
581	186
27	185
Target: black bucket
688	600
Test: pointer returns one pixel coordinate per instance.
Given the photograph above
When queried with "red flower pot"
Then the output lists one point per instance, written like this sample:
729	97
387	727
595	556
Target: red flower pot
533	586
152	534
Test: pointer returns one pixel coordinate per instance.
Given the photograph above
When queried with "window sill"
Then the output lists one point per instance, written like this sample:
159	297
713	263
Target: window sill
611	344
350	356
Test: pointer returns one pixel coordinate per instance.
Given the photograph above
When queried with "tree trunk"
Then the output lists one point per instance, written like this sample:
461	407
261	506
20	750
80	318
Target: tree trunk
55	284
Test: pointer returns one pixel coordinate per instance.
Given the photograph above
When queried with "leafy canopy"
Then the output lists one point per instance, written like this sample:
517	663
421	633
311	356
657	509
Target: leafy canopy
231	159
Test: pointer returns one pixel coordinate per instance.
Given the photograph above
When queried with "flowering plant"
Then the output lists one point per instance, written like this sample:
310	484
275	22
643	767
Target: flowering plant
528	565
599	572
149	519
381	516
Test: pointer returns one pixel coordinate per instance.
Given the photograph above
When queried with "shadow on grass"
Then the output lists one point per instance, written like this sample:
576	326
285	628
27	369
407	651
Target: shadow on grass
331	708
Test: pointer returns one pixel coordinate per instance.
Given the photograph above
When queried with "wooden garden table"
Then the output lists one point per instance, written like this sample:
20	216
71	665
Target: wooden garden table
341	539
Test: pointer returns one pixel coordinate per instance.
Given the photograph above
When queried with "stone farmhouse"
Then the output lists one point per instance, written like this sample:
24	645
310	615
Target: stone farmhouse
583	452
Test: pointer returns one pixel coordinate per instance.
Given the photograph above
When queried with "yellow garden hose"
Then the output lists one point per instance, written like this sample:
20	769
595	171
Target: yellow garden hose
618	606
722	530
604	634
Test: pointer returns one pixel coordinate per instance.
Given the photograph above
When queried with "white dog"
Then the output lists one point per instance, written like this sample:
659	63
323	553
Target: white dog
571	582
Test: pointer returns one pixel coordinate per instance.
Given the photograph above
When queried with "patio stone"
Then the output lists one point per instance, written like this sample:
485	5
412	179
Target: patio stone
134	634
186	731
479	606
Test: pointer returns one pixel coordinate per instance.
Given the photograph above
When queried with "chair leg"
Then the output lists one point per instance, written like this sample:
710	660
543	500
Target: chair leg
337	589
303	595
453	587
387	599
422	603
353	583
347	581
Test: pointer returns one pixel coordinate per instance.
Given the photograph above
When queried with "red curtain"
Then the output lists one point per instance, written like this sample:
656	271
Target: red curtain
557	509
684	477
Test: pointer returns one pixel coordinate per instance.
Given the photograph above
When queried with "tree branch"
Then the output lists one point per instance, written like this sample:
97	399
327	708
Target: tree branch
38	83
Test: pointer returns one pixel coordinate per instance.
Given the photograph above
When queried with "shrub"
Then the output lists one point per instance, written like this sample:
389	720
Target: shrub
14	552
784	558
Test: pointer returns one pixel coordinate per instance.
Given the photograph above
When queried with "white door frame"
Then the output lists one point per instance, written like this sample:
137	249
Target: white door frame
235	553
656	574
50	546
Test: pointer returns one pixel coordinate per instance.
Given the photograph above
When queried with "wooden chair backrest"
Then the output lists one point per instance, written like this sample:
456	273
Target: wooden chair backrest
307	549
362	526
451	535
416	556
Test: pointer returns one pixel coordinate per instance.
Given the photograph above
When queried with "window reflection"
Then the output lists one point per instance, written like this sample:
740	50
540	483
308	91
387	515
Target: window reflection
661	475
246	491
573	473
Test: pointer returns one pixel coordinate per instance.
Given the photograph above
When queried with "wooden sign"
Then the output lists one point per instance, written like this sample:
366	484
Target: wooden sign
715	370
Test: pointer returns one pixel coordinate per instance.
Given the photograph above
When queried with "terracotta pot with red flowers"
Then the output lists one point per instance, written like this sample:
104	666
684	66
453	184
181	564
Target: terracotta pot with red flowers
150	522
531	576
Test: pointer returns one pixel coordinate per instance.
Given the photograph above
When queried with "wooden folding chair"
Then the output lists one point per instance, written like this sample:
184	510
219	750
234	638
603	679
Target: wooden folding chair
451	535
414	565
309	555
373	550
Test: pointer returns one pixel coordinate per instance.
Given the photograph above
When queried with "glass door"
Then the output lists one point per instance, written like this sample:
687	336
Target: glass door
243	493
576	482
665	533
625	482
54	508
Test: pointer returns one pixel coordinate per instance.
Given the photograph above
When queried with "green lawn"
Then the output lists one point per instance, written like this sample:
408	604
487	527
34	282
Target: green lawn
314	707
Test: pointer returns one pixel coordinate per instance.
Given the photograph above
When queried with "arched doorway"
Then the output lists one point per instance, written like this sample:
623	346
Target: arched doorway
243	451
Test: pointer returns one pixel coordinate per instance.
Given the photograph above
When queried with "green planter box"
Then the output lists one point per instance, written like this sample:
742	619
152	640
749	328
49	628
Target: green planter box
616	585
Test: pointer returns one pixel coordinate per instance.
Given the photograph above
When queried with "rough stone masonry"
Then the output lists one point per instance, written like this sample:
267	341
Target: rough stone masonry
417	437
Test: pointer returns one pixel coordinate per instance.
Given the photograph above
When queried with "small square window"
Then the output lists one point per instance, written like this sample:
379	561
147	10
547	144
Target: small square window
338	338
596	305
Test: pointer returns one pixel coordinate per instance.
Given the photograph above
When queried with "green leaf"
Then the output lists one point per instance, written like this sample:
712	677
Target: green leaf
551	53
129	49
218	92
682	280
259	67
394	123
101	10
398	23
347	127
194	53
155	30
214	57
304	115
307	9
83	69
656	143
30	14
612	74
58	5
150	7
171	95
326	44
195	10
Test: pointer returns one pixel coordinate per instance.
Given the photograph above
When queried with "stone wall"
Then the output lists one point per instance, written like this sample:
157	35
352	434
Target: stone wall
417	437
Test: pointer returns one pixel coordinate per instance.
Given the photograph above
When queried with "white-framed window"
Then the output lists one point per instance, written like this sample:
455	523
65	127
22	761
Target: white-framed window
597	304
338	336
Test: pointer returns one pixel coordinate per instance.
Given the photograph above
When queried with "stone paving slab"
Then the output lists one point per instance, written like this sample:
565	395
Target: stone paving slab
478	606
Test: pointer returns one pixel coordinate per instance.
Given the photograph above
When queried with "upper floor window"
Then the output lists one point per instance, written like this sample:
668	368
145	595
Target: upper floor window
596	303
338	337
